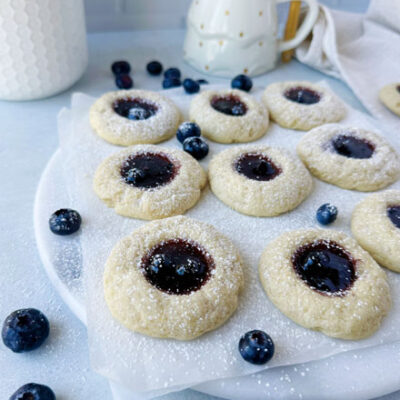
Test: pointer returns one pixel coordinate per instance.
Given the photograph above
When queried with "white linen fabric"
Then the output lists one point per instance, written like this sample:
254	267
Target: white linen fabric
363	50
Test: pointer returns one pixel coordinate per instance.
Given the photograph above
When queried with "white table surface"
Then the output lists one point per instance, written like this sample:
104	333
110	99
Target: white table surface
28	137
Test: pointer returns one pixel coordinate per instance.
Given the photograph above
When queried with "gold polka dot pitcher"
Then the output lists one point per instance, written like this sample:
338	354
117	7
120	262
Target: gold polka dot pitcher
230	37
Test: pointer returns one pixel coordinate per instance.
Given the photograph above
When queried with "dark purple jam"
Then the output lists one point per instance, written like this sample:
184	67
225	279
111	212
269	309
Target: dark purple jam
177	266
257	167
302	95
229	105
398	88
325	266
134	108
353	147
148	170
393	213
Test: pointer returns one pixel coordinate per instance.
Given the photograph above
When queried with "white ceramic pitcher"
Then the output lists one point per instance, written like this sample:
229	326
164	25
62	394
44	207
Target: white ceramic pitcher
229	37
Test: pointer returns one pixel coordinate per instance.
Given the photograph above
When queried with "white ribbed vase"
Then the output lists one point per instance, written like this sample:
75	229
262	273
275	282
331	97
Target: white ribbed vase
43	47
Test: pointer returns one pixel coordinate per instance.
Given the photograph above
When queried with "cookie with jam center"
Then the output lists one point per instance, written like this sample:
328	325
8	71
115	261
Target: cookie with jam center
349	157
149	182
259	180
229	116
302	105
323	280
375	223
173	278
128	117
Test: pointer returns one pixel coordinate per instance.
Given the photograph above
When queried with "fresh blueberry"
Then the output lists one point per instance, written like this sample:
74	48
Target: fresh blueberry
195	267
171	73
124	82
154	68
65	221
33	391
242	82
192	267
196	147
326	214
256	347
187	129
160	261
238	109
191	86
135	175
202	81
169	83
181	270
157	263
138	113
25	330
120	68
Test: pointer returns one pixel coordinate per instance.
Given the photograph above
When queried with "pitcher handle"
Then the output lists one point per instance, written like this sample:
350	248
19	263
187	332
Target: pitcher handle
305	27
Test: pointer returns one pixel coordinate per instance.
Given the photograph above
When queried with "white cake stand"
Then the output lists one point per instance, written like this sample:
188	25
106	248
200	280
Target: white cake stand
356	375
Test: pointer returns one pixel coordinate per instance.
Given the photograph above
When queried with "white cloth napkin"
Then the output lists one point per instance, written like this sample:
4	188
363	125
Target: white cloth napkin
363	50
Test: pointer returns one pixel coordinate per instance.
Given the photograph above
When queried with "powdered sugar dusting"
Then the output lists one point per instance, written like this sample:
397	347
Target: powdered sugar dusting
224	128
302	116
143	308
123	131
378	171
143	363
181	192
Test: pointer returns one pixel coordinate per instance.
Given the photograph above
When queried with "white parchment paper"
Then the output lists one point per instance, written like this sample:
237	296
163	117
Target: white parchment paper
151	366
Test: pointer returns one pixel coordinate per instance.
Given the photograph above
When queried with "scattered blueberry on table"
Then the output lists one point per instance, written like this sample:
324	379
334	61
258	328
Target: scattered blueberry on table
169	83
187	129
154	68
196	147
202	81
242	82
25	330
65	221
172	73
256	347
124	82
327	214
120	68
191	86
33	391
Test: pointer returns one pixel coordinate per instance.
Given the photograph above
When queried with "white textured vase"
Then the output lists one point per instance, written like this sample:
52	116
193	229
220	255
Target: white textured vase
230	37
43	47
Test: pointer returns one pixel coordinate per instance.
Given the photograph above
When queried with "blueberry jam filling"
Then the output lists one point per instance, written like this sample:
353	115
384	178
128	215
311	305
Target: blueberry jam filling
393	213
177	266
229	105
325	266
148	170
353	147
302	95
134	108
398	88
257	167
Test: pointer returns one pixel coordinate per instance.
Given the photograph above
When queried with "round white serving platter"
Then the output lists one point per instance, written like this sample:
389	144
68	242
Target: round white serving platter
50	196
360	374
